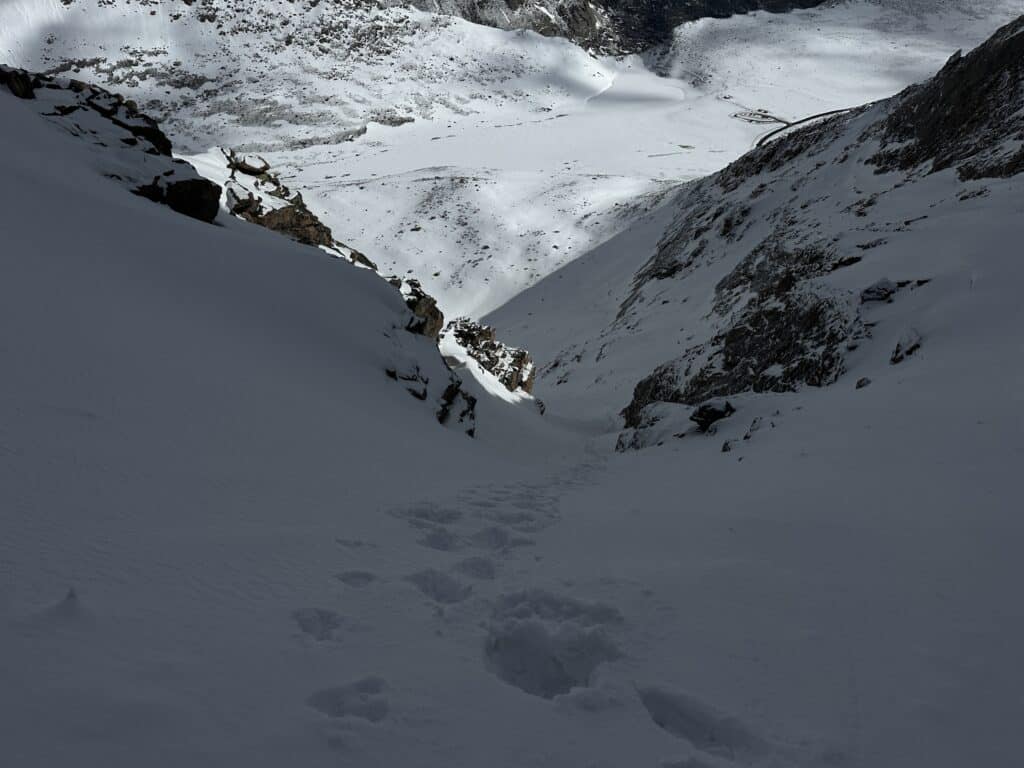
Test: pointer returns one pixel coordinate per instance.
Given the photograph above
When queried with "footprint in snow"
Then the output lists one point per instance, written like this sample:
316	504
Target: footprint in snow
477	568
723	739
498	539
440	587
322	624
548	645
440	538
356	579
428	512
363	699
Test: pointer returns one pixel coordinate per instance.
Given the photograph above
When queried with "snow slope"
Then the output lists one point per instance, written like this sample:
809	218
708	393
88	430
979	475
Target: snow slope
277	555
524	150
805	224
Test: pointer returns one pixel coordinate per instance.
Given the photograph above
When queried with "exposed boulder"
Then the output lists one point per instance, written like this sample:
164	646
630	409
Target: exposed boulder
708	413
513	367
299	223
18	81
427	319
198	198
882	290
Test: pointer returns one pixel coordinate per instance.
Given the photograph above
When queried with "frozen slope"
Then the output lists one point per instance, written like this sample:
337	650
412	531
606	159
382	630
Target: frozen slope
753	278
524	151
277	555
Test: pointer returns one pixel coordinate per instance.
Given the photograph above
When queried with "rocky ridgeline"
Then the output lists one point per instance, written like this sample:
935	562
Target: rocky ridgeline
257	195
782	224
605	26
513	367
970	116
129	145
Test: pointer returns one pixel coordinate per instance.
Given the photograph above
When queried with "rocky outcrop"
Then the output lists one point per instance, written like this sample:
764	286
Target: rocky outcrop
458	407
513	367
298	222
427	319
129	143
780	227
640	24
281	210
607	26
454	406
588	24
708	413
968	116
18	82
198	198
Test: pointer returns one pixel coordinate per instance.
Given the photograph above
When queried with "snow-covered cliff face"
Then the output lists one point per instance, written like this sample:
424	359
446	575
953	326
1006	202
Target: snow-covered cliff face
851	251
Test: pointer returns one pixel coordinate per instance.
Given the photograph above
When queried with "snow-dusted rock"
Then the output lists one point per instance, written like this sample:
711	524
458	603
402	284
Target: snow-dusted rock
753	280
129	146
428	319
513	367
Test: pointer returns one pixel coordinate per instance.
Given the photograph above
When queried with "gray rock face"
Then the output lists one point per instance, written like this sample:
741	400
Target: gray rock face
128	142
710	412
777	215
428	319
514	367
610	26
18	82
968	116
197	198
586	23
640	24
282	211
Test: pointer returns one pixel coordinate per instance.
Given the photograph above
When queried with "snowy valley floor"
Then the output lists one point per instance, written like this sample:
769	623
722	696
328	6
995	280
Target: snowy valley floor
277	557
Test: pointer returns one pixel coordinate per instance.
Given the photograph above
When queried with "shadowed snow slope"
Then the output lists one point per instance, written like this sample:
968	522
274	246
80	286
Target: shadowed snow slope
229	540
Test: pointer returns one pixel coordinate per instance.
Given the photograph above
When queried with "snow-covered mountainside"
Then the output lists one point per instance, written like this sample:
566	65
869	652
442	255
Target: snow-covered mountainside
241	521
523	151
851	250
610	26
